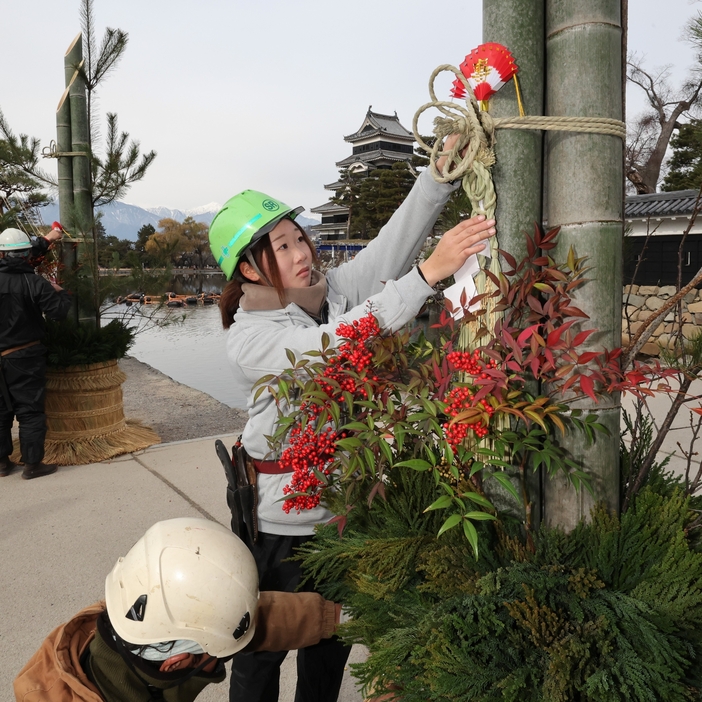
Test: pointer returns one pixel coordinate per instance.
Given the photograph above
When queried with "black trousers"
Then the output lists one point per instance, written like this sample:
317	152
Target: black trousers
25	378
320	668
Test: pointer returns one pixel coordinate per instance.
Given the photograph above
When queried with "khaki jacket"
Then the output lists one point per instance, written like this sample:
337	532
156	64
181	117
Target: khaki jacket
284	621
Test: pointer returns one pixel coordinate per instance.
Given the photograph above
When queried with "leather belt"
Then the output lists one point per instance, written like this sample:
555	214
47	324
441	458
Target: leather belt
7	352
270	467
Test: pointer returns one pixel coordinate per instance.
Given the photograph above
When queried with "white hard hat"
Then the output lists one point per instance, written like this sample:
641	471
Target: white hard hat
186	579
14	240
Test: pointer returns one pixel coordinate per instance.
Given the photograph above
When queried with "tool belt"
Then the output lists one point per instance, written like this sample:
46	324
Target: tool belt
270	467
242	496
7	352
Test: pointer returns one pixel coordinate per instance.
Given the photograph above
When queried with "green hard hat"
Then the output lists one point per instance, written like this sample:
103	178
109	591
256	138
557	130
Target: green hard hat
243	220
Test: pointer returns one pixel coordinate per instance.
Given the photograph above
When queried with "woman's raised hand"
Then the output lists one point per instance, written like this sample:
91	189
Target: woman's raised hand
456	246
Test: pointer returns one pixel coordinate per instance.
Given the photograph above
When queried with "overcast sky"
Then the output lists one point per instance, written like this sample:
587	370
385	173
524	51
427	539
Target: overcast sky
260	93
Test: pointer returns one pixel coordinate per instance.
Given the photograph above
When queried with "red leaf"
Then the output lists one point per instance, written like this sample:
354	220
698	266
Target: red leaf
555	336
587	357
524	336
535	304
573	312
580	338
696	409
587	386
511	261
340	521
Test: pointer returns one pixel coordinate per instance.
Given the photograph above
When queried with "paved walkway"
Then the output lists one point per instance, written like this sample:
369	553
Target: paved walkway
61	535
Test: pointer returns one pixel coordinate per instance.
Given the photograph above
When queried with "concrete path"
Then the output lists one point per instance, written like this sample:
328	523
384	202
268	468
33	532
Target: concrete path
60	535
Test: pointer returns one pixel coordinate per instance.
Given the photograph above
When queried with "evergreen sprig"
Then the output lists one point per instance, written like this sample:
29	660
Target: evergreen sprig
611	611
70	344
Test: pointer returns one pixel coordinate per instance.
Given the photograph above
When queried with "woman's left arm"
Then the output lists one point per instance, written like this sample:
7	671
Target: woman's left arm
391	254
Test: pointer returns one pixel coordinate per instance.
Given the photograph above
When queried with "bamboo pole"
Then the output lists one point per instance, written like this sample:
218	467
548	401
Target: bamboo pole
64	144
519	25
584	196
80	141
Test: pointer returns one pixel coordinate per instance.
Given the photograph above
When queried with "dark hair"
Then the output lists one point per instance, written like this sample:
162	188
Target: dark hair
262	249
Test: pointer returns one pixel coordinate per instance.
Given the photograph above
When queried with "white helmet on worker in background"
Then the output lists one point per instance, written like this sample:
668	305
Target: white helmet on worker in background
185	580
14	241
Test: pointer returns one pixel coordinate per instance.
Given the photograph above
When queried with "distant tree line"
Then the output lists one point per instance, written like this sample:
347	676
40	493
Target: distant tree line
181	244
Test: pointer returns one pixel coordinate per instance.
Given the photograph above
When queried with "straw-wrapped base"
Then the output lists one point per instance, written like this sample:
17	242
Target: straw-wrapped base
85	416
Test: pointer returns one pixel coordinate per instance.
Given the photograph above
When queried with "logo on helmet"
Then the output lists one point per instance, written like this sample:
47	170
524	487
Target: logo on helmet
270	205
243	627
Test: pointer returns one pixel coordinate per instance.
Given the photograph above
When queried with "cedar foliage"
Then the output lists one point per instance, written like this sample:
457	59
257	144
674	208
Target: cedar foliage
611	611
70	344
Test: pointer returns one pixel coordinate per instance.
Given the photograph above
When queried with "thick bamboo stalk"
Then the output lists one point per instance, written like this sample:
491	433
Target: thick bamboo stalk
519	25
80	141
64	144
583	195
65	167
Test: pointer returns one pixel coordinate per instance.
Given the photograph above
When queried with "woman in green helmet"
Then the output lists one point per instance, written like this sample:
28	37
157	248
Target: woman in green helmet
275	301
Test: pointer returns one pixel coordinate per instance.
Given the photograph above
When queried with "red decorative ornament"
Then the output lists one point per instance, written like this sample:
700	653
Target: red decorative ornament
487	68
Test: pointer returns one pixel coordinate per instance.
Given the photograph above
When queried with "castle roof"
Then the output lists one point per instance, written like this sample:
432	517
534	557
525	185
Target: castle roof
376	124
369	157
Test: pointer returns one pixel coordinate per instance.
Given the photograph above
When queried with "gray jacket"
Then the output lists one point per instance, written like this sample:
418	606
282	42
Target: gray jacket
379	276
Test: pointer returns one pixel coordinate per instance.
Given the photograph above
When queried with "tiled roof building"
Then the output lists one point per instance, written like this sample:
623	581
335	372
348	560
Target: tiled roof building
655	225
379	142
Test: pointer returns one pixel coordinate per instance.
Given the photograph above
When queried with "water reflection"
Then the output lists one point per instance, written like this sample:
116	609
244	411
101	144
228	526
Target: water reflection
192	352
197	283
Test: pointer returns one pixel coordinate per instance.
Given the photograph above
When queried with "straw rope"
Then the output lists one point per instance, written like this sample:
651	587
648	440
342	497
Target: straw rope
87	413
85	417
87	433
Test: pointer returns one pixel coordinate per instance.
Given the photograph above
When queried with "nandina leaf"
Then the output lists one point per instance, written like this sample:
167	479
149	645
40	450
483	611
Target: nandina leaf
555	336
573	312
587	386
472	536
698	410
440	503
586	357
450	523
524	336
506	483
479	516
573	378
340	521
581	336
535	304
508	257
415	464
531	248
478	499
558	422
468	416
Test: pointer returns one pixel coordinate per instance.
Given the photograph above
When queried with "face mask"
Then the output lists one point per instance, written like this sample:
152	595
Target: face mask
163	651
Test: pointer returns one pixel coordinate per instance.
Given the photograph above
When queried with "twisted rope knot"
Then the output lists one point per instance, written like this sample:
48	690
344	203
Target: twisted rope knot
477	130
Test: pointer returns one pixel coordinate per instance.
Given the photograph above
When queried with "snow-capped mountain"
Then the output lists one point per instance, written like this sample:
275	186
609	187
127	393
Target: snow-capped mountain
124	221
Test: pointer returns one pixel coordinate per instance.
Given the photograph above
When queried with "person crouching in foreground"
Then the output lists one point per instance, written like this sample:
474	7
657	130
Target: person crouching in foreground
182	601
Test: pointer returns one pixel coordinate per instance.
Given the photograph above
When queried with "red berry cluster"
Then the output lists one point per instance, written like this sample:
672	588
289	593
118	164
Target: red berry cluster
309	451
470	363
459	400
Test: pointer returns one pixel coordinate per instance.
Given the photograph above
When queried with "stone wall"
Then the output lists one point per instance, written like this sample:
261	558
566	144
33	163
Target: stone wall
642	301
